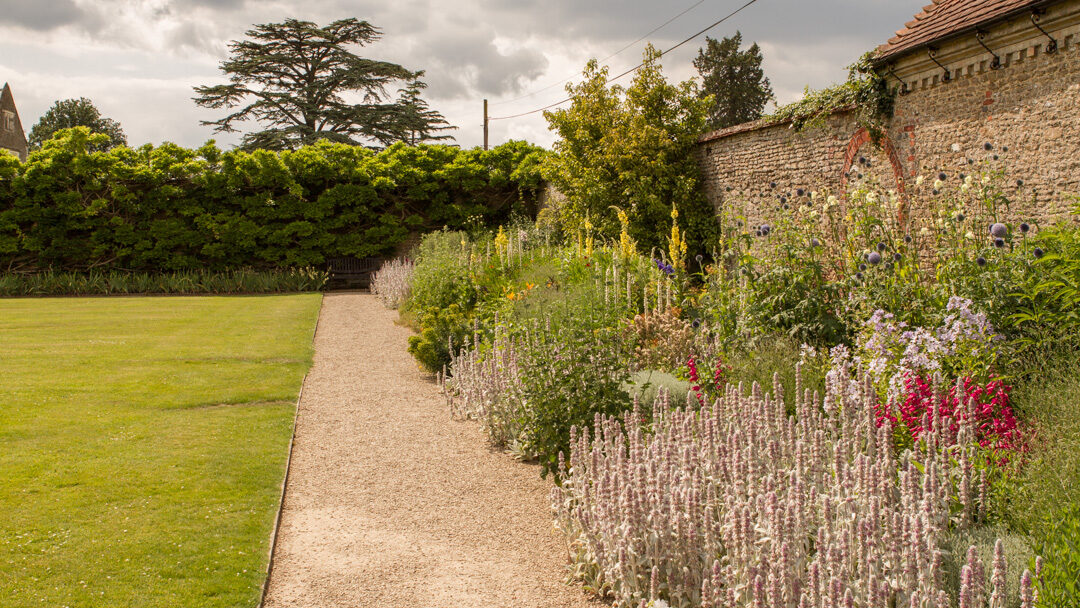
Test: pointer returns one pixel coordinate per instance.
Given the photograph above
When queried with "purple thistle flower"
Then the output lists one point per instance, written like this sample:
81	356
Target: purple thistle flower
999	230
999	243
874	258
1024	227
1038	252
881	246
981	261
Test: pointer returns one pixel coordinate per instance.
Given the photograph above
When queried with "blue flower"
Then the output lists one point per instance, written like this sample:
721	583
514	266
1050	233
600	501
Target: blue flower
981	261
987	146
942	176
1024	228
1038	252
881	246
999	243
999	230
897	257
960	217
874	258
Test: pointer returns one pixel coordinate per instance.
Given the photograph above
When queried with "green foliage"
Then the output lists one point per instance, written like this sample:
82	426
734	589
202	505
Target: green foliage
293	77
648	385
441	275
71	113
444	331
50	283
865	92
1059	546
72	208
632	148
568	377
734	80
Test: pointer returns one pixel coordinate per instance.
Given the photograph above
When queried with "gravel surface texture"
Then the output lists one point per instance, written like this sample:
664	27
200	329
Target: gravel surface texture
390	503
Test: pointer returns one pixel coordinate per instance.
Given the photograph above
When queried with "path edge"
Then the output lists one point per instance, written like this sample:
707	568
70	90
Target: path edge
288	463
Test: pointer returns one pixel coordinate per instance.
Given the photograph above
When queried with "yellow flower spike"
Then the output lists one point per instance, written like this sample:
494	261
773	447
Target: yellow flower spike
502	242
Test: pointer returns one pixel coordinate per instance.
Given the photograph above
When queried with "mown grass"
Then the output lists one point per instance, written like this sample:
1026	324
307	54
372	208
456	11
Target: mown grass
144	444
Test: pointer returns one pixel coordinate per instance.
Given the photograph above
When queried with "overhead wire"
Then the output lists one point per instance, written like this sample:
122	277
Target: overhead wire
635	68
569	78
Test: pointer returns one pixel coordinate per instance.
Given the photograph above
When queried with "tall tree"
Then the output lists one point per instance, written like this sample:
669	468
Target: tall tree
69	113
294	77
632	148
735	80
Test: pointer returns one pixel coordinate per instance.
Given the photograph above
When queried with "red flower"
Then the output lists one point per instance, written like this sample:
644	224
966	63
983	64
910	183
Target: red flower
996	427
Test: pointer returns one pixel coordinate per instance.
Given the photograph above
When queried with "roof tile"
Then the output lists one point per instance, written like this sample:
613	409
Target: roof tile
946	17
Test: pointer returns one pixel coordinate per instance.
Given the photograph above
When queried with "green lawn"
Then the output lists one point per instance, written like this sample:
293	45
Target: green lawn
143	444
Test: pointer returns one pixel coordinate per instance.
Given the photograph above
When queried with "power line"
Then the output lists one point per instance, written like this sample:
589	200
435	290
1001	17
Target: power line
633	69
569	78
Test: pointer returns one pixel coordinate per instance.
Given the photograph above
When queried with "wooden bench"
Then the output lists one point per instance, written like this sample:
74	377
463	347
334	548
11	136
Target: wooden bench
352	273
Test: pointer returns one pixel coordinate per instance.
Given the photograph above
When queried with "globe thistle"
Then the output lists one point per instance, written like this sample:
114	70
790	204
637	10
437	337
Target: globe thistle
874	258
962	177
881	246
897	257
960	217
1025	228
999	243
942	176
971	161
888	266
815	243
772	184
1004	148
858	275
800	192
987	146
858	176
1019	182
862	266
765	229
999	230
936	191
981	261
995	157
907	238
1038	252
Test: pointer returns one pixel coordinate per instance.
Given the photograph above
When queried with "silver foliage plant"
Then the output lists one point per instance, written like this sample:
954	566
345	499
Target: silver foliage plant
485	387
746	503
393	282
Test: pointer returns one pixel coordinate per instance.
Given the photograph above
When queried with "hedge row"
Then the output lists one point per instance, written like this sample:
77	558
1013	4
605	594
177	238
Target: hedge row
170	208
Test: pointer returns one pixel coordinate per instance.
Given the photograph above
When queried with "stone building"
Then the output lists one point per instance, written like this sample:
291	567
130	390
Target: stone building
12	136
981	84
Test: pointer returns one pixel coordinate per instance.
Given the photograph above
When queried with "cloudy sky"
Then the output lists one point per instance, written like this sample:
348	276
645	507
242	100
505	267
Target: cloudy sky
139	59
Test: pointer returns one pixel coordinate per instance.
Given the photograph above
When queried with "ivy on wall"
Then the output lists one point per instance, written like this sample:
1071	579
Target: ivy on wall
865	92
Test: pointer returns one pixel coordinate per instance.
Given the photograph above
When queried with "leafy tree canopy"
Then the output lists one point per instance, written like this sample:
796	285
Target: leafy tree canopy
734	79
632	148
304	84
71	113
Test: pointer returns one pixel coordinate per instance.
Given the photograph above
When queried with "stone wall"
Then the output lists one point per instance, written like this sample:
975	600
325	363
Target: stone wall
1028	111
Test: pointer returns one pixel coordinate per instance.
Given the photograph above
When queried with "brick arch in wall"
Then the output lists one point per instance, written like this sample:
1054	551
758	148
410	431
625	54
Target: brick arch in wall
860	139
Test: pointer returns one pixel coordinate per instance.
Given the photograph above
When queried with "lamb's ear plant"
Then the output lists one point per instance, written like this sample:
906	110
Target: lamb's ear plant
742	505
393	282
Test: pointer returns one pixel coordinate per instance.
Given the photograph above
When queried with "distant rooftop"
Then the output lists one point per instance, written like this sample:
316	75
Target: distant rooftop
945	18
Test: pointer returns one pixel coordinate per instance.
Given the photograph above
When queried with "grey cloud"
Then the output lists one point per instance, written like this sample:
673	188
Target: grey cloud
43	16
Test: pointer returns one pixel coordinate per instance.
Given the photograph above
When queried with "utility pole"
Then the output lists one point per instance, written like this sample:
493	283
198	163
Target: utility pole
485	126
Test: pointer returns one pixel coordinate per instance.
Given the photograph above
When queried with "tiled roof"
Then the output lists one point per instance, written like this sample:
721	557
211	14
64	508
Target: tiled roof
13	140
944	18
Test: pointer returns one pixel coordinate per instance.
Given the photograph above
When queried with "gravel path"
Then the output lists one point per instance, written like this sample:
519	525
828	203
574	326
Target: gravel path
392	504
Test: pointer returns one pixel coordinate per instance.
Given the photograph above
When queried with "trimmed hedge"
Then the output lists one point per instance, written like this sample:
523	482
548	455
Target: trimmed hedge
69	208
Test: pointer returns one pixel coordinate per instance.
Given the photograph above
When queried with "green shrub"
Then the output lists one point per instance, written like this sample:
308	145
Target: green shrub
169	208
647	386
1059	546
441	274
444	330
569	377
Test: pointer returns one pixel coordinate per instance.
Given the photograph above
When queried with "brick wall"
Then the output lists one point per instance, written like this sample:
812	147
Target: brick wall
1028	111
